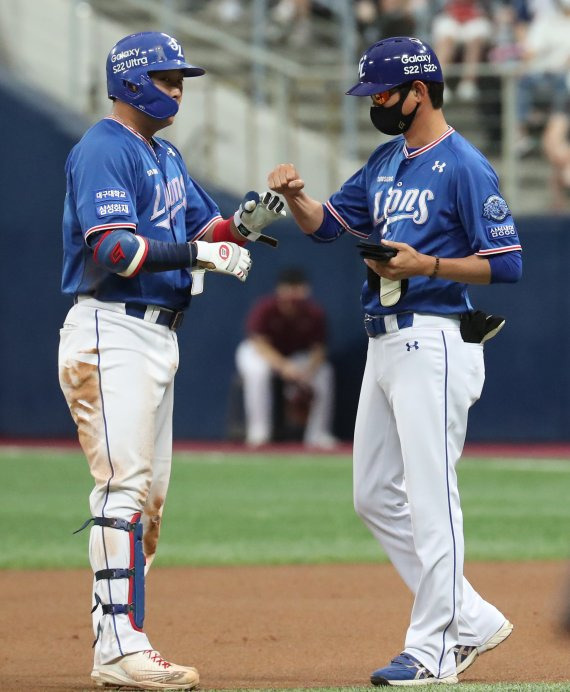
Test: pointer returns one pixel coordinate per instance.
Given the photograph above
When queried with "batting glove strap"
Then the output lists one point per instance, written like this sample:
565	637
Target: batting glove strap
225	258
256	212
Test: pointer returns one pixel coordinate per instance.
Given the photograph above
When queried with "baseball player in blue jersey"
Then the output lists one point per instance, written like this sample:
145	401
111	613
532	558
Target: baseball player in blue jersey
138	233
431	220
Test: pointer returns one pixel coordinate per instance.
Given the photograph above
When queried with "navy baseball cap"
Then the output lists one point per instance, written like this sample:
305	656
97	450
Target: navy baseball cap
394	61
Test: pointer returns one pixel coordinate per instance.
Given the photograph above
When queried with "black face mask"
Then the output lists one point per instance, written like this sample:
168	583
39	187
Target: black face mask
391	121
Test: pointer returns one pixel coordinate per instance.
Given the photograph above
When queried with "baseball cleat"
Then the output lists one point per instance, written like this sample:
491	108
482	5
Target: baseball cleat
144	670
405	670
466	655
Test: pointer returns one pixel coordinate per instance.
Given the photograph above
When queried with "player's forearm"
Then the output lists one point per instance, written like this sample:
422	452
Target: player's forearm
316	358
125	253
468	270
225	229
307	212
276	360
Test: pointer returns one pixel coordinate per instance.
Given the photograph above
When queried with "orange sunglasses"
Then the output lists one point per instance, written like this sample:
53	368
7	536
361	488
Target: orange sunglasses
381	98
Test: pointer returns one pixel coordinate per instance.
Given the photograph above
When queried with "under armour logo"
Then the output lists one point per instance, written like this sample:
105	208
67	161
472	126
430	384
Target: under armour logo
439	166
412	345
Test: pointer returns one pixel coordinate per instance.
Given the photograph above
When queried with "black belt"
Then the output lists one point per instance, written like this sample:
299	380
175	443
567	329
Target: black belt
150	313
155	314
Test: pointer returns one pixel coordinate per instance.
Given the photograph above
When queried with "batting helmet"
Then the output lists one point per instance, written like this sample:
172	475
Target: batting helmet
129	64
393	61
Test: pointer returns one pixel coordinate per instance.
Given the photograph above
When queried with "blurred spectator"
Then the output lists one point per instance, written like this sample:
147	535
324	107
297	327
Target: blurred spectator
556	145
423	12
230	11
287	339
377	19
292	22
463	26
543	89
510	23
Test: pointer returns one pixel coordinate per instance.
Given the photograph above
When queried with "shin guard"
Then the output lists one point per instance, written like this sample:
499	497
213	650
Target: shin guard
134	573
136	581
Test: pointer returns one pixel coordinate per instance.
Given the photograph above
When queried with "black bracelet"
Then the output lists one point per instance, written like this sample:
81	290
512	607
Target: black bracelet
435	269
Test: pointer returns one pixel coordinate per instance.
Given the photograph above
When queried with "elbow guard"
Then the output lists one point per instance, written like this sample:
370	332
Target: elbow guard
121	252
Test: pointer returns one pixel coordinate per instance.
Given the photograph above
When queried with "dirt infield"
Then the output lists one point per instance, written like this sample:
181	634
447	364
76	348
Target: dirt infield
277	627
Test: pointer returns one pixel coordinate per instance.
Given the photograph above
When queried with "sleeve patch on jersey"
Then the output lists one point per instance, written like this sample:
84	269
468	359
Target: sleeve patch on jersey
113	209
495	208
498	232
112	194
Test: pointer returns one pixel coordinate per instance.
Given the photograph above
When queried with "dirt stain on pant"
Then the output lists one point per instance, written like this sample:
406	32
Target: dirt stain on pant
80	384
151	527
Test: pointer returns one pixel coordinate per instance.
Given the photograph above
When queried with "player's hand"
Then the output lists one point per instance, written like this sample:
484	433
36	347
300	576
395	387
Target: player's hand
256	212
408	262
290	372
285	180
226	258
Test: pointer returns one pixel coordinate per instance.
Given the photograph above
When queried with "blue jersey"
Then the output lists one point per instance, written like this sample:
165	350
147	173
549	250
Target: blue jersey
118	179
442	199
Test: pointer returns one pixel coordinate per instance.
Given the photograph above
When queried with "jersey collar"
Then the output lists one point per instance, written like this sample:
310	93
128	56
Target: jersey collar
130	129
427	147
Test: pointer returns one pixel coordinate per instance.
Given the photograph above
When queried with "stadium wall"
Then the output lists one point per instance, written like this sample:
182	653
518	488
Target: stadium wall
527	391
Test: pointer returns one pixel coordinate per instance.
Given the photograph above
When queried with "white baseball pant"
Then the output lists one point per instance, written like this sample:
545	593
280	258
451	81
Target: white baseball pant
418	385
117	375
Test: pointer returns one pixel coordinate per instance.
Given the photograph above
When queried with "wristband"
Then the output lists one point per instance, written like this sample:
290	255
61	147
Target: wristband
223	233
435	269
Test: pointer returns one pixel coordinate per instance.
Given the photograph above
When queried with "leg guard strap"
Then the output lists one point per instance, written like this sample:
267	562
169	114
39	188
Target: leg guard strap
114	574
118	609
110	522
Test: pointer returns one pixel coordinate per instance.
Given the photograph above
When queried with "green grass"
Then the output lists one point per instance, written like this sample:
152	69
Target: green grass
235	509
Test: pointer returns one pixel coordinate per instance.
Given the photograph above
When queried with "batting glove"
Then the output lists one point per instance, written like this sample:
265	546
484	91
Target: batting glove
225	258
256	212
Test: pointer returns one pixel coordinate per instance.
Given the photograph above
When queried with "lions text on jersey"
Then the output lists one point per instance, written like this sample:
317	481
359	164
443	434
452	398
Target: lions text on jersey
442	199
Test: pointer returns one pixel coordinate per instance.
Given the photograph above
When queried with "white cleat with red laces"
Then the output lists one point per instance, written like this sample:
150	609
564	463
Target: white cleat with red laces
145	670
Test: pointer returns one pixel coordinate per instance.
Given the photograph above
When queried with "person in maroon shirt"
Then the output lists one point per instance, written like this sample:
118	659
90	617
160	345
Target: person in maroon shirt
286	337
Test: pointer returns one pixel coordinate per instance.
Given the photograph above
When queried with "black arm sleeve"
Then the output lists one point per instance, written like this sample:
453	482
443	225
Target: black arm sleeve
163	256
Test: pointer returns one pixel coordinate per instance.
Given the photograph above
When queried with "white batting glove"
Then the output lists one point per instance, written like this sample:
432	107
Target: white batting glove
256	212
225	258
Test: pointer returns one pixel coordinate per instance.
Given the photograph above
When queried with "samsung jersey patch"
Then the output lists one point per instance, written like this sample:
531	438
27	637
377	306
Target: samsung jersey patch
506	231
113	209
